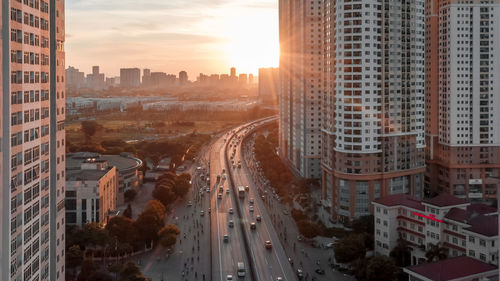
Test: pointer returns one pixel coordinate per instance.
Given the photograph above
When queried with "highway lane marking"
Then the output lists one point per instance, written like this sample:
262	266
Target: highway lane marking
250	182
218	237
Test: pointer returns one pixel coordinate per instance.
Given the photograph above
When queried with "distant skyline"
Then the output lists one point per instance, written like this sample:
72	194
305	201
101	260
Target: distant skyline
174	35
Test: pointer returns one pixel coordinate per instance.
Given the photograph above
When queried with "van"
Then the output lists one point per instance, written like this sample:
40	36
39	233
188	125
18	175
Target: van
241	269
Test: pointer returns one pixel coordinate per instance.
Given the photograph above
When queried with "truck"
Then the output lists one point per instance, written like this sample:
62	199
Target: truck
241	191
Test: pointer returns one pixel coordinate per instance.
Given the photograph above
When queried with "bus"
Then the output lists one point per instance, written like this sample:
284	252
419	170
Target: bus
241	191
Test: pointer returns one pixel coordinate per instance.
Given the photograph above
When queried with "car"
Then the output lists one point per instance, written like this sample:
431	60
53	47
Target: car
239	165
202	213
290	261
300	238
300	273
229	278
221	189
223	170
279	278
320	271
251	201
226	238
207	190
227	190
219	196
259	218
329	245
247	188
251	208
268	245
231	211
253	225
231	223
209	210
190	204
234	166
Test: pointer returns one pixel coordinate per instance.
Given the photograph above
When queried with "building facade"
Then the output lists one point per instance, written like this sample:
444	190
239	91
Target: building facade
32	221
130	77
91	192
268	85
373	134
464	229
463	123
301	88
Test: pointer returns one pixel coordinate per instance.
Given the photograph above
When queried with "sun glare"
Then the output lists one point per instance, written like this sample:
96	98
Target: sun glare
252	42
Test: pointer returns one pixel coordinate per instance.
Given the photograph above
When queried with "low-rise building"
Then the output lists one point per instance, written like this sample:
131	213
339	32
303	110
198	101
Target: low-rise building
90	192
454	223
457	269
128	169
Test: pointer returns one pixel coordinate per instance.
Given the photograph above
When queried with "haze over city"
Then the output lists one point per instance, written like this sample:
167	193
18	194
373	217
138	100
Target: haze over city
199	36
250	140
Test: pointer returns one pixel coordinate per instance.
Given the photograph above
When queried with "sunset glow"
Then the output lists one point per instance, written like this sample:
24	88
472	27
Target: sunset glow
196	36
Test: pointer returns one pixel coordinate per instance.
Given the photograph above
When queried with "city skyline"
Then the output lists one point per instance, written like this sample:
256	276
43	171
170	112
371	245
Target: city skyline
206	37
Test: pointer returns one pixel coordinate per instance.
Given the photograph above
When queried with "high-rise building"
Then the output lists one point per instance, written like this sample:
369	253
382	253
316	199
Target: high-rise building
146	77
301	88
74	78
183	77
233	72
250	79
130	77
463	116
243	78
96	80
268	85
373	108
32	221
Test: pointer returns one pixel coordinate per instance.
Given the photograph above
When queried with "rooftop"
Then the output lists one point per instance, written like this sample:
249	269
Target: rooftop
484	225
122	162
445	200
400	200
452	268
85	175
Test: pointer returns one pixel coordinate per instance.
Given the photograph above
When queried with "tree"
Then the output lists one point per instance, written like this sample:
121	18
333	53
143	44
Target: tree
123	229
359	268
150	221
350	248
401	253
436	252
131	272
130	195
308	229
363	224
74	256
128	212
381	268
168	235
164	193
89	128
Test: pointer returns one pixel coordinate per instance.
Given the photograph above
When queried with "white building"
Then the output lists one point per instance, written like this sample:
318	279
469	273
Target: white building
461	227
91	192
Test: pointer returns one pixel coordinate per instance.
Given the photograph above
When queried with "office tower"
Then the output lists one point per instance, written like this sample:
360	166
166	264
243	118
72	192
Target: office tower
373	130
301	88
268	85
32	222
146	77
250	79
130	77
463	116
183	77
233	72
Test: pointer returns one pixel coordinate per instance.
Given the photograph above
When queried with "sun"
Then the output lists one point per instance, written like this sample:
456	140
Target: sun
253	41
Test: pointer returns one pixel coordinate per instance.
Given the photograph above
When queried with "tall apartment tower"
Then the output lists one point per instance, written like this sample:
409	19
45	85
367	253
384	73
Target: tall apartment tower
301	87
463	97
373	133
32	140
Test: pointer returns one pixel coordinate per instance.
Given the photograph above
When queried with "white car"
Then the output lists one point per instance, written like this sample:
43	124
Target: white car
231	210
251	201
251	208
227	190
229	278
202	213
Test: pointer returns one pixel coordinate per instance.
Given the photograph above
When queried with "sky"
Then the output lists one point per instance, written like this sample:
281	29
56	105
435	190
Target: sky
199	36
